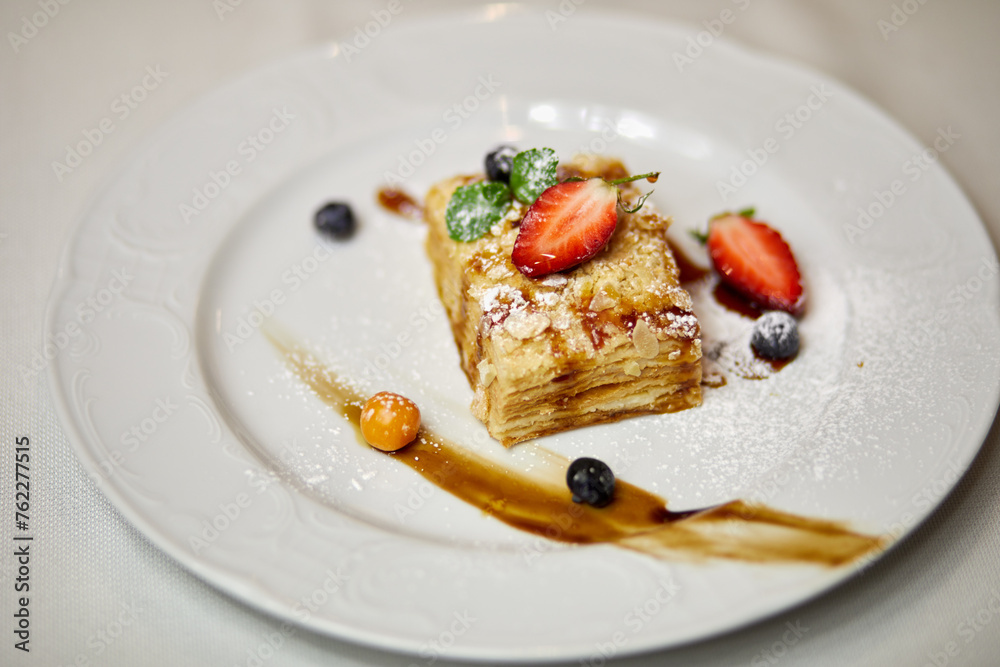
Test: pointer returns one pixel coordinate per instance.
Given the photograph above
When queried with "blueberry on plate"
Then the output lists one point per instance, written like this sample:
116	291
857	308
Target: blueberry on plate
499	164
775	335
591	481
336	219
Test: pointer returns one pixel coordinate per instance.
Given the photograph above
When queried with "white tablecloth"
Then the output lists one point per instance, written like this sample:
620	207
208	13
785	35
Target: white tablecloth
101	594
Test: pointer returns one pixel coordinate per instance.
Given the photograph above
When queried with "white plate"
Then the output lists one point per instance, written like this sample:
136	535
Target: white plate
190	423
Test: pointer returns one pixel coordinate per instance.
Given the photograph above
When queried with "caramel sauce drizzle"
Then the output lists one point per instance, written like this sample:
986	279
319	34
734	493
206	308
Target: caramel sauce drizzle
399	202
636	519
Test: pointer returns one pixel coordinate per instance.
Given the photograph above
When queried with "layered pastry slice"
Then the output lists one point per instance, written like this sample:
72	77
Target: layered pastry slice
611	338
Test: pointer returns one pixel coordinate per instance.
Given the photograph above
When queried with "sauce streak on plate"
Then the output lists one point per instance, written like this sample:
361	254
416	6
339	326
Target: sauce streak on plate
636	519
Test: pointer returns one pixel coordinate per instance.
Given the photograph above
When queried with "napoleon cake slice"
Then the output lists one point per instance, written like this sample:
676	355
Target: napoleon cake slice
612	338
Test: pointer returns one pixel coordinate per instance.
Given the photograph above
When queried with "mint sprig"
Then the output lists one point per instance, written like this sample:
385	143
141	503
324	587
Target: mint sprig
474	208
532	173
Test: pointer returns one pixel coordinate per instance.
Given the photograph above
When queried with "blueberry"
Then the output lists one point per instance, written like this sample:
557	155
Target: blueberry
775	335
499	163
337	220
591	482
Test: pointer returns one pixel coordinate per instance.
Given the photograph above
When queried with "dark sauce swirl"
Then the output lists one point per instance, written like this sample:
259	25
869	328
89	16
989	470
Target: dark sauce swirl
636	519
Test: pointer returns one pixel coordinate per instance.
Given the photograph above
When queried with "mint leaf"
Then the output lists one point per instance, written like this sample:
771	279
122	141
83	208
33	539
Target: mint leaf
474	208
533	172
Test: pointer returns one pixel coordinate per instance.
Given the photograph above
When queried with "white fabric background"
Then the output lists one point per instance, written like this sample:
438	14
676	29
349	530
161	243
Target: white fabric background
940	69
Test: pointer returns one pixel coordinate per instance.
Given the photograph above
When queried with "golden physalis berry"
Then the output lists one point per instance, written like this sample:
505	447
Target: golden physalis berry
389	421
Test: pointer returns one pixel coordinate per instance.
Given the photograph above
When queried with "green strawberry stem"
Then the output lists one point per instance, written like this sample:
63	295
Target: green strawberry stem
642	200
650	176
653	175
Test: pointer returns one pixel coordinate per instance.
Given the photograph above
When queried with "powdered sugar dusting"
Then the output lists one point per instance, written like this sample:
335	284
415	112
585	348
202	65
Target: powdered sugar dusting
682	325
499	301
758	426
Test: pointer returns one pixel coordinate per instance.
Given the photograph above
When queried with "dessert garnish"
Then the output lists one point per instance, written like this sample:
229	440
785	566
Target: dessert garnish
532	171
775	335
755	261
499	163
475	207
569	223
336	220
389	421
591	481
566	223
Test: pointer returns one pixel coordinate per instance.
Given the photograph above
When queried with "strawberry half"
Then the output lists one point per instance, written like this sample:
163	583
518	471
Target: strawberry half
754	260
568	224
